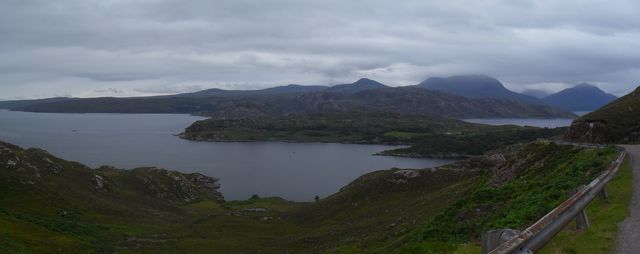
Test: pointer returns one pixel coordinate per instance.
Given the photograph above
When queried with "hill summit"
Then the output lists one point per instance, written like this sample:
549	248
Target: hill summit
360	85
475	86
582	97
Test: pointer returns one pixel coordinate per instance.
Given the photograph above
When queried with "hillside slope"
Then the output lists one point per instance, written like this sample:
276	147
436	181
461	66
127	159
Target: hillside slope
617	122
16	104
51	205
583	97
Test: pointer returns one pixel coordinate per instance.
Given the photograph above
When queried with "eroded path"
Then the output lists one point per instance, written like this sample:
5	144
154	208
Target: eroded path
629	230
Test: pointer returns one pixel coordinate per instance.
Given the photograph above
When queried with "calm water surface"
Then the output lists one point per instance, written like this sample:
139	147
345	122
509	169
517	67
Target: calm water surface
537	122
293	171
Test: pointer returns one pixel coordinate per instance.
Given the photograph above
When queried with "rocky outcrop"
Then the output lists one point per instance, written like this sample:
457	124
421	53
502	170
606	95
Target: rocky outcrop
38	169
587	132
172	186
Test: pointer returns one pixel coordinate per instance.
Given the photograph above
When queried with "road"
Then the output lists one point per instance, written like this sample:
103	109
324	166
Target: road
629	230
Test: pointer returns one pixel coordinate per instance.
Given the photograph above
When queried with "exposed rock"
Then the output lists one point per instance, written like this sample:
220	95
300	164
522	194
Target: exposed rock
99	183
587	131
11	163
407	173
178	187
255	209
496	159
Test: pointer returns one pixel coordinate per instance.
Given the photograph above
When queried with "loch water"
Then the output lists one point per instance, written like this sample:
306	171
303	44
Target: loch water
295	171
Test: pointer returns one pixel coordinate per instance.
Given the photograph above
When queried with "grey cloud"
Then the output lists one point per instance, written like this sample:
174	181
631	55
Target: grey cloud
109	77
169	89
140	47
109	90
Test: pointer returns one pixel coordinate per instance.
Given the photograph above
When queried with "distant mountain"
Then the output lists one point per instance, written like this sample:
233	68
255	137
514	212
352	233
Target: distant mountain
360	85
15	104
398	100
536	93
583	97
617	122
267	91
475	86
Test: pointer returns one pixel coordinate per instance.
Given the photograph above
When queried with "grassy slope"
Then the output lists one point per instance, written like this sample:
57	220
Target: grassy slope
380	212
514	197
604	216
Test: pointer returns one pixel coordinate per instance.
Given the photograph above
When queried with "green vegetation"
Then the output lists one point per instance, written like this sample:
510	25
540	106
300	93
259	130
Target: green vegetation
429	136
617	122
374	128
52	205
517	197
470	143
604	216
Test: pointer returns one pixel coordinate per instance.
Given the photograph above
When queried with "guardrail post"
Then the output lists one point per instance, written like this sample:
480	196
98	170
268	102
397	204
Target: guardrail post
494	238
603	194
582	221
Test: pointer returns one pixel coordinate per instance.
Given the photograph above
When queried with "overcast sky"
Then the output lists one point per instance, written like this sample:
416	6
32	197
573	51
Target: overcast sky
128	48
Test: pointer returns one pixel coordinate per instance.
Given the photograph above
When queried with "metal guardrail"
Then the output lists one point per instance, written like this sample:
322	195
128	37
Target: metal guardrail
537	235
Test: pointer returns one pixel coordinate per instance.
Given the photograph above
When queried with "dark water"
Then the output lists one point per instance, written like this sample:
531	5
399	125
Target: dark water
537	122
292	171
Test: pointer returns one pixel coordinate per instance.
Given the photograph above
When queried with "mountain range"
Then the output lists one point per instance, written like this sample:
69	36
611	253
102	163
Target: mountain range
582	97
456	96
347	98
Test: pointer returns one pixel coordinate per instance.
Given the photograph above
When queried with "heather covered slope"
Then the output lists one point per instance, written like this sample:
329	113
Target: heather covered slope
52	205
616	122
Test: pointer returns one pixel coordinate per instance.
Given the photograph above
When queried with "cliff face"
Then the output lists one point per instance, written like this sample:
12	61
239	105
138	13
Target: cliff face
617	122
588	132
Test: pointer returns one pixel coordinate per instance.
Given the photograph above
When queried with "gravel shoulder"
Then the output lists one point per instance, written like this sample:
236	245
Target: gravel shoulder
629	230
